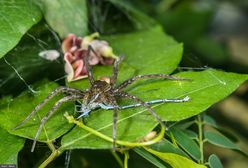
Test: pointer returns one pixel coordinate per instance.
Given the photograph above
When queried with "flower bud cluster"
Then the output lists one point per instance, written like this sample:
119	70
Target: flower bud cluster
76	48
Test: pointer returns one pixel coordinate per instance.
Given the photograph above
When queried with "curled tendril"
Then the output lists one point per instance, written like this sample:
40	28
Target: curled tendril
107	138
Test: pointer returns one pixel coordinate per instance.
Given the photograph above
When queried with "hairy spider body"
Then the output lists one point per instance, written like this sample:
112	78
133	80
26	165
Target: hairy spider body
101	94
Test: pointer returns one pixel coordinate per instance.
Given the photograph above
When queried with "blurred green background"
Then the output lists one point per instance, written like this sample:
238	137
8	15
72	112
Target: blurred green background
215	34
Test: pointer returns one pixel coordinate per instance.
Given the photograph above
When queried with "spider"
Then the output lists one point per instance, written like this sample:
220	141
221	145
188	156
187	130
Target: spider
101	94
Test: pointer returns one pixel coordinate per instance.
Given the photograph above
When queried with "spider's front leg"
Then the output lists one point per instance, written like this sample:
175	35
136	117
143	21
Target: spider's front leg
116	70
61	89
147	76
109	107
87	64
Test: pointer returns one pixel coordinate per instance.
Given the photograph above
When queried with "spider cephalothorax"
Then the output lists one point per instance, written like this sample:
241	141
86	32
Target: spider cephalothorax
98	94
101	94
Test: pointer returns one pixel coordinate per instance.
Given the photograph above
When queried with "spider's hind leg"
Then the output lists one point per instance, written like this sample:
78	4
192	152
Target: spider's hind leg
112	103
115	118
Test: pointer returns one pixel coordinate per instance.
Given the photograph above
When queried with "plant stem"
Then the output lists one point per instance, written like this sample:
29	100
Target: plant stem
118	159
126	155
107	138
55	153
173	140
51	146
200	137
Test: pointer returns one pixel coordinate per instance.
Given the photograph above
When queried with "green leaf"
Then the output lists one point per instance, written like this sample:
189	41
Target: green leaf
150	51
17	16
149	157
174	160
214	161
18	108
201	90
10	145
209	121
228	133
219	140
222	141
135	123
189	145
66	16
166	146
185	124
191	134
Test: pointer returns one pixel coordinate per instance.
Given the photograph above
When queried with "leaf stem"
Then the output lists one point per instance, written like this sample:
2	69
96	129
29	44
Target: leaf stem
107	138
200	137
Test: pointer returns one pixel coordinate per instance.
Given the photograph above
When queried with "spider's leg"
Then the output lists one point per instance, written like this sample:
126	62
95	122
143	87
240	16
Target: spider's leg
148	76
185	99
116	69
68	158
61	89
111	101
115	118
87	64
51	112
106	107
144	104
109	107
113	106
84	114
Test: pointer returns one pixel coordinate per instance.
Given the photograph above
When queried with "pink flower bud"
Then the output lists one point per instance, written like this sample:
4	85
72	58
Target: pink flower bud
76	48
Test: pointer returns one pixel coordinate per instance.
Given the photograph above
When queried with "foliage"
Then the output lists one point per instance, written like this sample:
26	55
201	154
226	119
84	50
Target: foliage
9	147
17	17
147	50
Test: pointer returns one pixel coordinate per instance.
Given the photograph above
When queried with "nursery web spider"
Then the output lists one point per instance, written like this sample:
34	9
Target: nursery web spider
101	94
